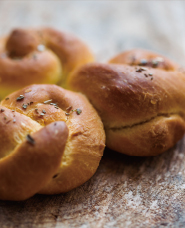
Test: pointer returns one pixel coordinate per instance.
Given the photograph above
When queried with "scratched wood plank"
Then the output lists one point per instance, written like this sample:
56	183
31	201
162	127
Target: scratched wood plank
125	191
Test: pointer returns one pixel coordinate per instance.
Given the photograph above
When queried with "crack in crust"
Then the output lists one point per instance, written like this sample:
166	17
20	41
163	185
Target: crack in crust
167	115
139	96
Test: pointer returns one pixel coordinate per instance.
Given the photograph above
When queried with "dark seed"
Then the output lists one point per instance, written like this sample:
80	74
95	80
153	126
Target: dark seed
30	139
143	62
53	104
155	63
78	111
8	121
69	108
24	106
139	70
55	175
20	98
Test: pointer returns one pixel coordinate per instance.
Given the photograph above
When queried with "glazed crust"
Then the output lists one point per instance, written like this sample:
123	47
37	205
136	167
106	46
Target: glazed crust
42	55
142	108
86	139
27	167
71	51
140	57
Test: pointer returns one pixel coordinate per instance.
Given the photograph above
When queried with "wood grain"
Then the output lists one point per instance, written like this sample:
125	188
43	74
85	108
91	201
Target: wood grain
125	191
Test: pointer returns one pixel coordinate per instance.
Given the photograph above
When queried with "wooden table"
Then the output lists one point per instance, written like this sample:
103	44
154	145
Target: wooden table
125	191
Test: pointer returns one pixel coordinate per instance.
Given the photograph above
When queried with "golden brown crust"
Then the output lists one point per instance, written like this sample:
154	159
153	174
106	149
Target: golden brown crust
140	57
147	139
42	55
25	167
86	140
71	51
142	108
22	42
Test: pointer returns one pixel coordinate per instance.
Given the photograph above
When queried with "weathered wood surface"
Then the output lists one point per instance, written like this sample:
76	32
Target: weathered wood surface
125	191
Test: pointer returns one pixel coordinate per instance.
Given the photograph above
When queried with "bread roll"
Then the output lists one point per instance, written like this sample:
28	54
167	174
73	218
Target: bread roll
142	108
42	55
42	106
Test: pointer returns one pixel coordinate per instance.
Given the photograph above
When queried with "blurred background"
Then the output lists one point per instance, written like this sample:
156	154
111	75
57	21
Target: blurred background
108	27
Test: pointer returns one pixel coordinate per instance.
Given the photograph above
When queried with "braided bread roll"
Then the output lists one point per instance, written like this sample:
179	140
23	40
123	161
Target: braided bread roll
51	140
42	55
142	107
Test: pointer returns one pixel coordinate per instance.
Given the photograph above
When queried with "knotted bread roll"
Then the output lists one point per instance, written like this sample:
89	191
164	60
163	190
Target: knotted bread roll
142	107
42	55
35	123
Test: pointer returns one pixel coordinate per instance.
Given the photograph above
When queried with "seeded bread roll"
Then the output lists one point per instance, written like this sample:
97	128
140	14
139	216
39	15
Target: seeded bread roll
43	105
42	55
142	108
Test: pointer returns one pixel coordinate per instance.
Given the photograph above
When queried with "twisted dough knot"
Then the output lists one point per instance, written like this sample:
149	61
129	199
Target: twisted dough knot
51	140
21	43
39	56
142	107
